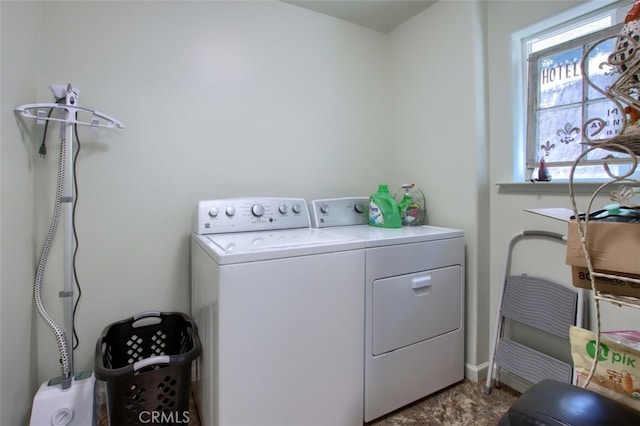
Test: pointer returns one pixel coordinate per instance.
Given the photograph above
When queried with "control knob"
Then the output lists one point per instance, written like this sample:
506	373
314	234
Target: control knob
296	208
213	212
257	210
358	207
283	208
324	208
230	211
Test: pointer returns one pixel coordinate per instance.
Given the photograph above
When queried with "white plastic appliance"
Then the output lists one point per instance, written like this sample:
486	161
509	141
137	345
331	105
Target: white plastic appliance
414	304
68	400
279	308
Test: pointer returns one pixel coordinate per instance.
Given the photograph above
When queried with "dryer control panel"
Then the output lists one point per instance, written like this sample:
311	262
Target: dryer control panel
345	211
250	214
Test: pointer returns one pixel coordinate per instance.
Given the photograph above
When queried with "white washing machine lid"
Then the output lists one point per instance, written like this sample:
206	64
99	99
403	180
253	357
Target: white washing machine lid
379	237
267	245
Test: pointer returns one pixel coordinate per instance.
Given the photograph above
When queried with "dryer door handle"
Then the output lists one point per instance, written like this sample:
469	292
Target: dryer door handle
421	284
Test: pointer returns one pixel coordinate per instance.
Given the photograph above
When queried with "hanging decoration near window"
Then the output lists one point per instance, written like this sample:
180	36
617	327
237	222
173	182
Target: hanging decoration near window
624	92
625	48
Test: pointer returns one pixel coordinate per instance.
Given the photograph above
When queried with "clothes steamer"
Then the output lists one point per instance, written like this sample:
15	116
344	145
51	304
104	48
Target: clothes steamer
69	399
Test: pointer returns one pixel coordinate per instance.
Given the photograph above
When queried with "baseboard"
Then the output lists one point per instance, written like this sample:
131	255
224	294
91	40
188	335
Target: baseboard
514	382
476	373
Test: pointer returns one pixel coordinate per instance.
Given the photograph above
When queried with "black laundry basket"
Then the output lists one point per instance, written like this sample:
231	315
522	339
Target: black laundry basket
146	363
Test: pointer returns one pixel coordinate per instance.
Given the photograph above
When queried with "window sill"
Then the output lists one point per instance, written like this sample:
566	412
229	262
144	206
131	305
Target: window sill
553	187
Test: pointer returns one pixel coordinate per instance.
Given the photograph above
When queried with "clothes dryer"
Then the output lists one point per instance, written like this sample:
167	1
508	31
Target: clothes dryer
279	308
414	304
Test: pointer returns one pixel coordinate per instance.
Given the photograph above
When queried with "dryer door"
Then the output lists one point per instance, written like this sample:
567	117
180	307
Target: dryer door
410	308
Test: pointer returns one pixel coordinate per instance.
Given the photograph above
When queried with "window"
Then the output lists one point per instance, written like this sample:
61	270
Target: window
561	105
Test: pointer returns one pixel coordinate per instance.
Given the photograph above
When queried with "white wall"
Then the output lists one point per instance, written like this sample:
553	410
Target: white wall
439	135
18	348
226	99
451	70
508	203
219	99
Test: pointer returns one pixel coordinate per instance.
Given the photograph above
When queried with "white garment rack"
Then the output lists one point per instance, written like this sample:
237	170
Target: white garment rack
42	112
98	119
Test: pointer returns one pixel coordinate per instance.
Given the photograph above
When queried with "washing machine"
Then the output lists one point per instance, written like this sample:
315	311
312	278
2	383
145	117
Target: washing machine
280	312
414	304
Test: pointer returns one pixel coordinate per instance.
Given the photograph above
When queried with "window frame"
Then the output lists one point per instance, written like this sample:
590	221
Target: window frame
532	126
520	41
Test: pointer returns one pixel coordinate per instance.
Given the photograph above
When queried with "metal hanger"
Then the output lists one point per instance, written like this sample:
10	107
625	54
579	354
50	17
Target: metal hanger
98	119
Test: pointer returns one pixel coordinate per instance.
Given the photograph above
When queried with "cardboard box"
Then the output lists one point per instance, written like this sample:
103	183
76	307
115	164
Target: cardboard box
613	246
580	278
614	249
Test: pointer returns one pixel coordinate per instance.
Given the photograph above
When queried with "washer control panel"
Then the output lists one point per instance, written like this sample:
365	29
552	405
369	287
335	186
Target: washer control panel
250	214
339	212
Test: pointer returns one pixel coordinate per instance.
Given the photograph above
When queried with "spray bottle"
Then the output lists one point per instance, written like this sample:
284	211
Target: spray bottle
411	205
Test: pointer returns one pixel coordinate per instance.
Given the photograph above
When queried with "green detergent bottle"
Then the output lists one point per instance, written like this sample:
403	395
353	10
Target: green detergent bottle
383	210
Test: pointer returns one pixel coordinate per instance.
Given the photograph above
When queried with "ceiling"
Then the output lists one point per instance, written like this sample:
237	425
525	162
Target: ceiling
379	15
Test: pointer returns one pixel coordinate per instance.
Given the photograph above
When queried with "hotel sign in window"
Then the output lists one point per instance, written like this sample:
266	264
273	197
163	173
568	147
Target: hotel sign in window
562	108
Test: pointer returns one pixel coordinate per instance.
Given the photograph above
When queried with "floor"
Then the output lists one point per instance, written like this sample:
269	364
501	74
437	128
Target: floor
463	404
